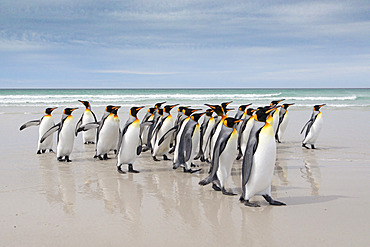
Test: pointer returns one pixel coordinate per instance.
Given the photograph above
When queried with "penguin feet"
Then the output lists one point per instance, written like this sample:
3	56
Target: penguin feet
60	158
43	151
251	204
67	159
165	157
172	150
239	156
304	145
131	169
105	157
197	157
144	149
272	201
51	151
202	159
313	146
215	187
119	170
227	193
155	158
241	199
38	151
191	171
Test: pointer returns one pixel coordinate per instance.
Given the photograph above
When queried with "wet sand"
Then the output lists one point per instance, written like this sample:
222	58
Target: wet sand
87	203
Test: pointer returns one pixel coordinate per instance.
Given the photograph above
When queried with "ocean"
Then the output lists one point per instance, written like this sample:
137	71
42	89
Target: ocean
303	98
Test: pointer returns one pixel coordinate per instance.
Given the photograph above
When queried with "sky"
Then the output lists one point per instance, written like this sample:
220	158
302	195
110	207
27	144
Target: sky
184	44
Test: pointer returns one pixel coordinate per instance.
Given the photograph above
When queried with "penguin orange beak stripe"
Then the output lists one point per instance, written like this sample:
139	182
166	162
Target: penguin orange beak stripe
322	105
268	111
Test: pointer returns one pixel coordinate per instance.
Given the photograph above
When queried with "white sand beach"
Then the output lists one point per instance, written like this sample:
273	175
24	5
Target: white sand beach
88	203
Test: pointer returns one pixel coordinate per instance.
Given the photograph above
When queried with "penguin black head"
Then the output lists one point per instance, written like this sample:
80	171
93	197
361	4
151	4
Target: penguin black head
86	104
262	113
115	109
242	107
217	109
151	110
209	112
158	105
189	111
168	108
68	111
250	111
230	121
48	111
224	105
134	110
317	107
275	102
160	111
109	108
196	116
285	106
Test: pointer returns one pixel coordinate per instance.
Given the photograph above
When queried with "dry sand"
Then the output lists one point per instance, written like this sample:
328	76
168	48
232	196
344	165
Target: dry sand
87	203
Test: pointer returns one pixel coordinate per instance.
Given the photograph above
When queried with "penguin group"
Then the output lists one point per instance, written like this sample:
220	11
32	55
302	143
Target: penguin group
251	134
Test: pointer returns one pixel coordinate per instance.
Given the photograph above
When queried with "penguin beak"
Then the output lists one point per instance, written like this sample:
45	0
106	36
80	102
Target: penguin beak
52	109
227	103
117	107
172	106
229	109
141	107
212	106
194	110
273	108
321	105
74	108
237	121
280	100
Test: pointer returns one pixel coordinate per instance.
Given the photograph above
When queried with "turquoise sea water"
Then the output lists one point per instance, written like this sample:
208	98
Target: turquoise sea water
303	98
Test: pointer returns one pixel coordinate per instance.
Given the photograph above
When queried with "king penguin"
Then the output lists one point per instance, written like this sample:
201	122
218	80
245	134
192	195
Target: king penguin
283	122
45	123
275	114
313	127
188	143
129	144
66	135
224	154
259	161
205	130
89	136
165	124
244	130
144	128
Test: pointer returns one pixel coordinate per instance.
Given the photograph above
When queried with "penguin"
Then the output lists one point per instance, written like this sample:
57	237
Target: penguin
240	114
244	130
313	127
188	143
108	132
129	144
275	114
205	130
224	154
154	122
88	116
259	161
283	122
165	124
45	123
144	128
66	135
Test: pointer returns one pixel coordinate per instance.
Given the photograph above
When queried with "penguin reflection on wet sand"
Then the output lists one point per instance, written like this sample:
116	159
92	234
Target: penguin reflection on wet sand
259	161
66	135
129	145
224	154
313	127
88	116
45	123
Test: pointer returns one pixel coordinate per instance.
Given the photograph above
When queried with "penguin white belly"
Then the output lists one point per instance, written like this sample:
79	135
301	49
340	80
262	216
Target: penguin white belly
245	135
89	135
205	147
66	138
263	164
215	136
107	137
178	137
195	140
165	146
144	134
46	123
275	120
227	158
130	142
314	132
283	125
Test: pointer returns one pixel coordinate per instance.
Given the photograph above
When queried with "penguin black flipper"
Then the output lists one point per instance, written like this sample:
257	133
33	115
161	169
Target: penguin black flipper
188	142
50	131
144	124
78	125
30	123
219	148
122	133
167	134
88	126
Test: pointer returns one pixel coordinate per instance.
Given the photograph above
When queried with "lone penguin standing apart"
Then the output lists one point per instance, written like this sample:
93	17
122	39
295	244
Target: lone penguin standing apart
313	127
89	136
283	122
259	161
129	144
66	135
45	123
224	154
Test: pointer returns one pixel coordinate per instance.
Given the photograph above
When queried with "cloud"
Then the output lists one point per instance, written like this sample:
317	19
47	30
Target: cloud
128	72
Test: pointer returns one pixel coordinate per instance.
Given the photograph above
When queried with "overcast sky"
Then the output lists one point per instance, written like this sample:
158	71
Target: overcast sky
160	44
